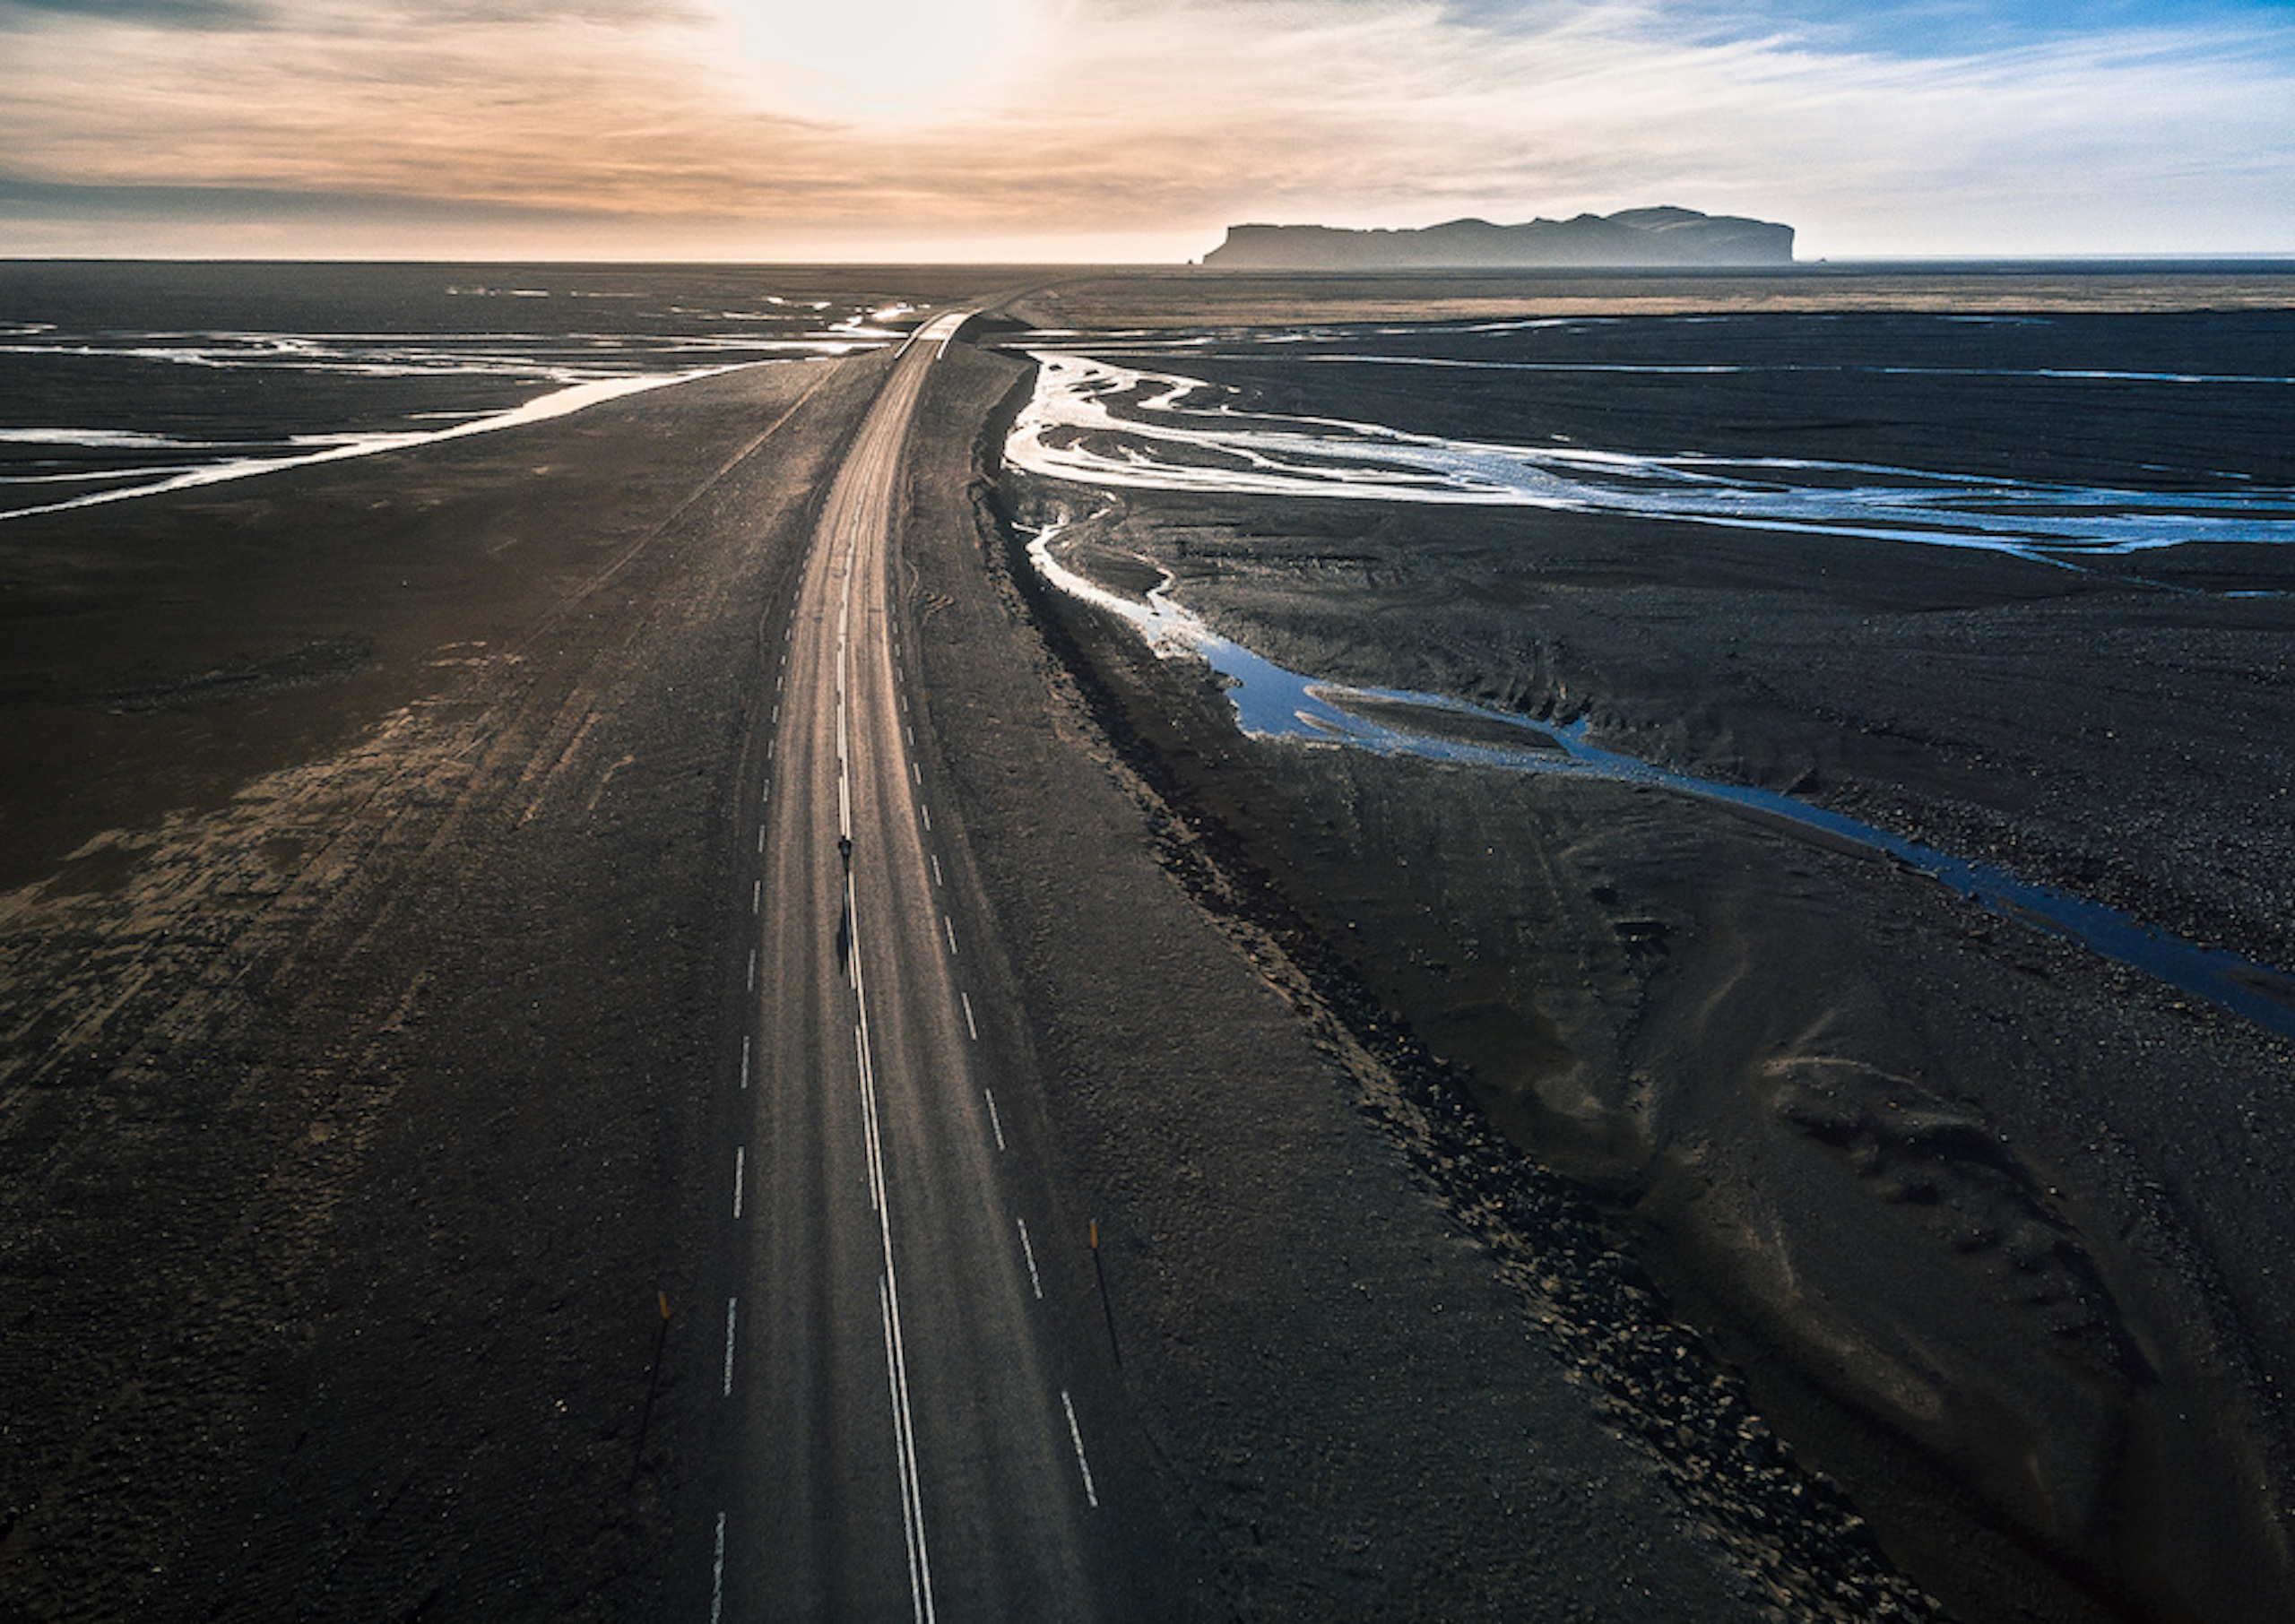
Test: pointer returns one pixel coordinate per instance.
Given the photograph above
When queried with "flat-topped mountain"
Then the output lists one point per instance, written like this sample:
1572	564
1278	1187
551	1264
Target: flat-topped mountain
1633	237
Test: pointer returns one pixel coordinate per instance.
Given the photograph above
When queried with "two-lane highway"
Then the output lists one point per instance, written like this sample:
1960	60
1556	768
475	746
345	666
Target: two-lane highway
906	1440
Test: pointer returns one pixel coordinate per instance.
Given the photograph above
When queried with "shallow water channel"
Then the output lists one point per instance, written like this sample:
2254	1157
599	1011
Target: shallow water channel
1094	422
1271	702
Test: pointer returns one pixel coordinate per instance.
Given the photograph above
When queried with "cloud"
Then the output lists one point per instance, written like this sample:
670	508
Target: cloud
1150	122
172	14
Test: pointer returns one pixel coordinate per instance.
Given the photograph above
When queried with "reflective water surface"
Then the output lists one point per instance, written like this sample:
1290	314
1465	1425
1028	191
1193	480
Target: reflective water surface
1271	702
1096	422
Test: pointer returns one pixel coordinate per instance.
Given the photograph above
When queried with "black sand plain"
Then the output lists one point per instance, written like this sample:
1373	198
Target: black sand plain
1995	1229
372	987
1510	1187
359	1043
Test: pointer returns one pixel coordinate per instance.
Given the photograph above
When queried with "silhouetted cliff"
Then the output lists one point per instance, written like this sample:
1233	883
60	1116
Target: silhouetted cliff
1633	237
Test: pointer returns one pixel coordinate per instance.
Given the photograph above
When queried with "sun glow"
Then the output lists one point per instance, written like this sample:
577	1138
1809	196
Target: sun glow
876	60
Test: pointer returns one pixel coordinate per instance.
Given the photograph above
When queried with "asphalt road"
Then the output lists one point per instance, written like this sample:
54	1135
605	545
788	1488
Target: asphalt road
908	1440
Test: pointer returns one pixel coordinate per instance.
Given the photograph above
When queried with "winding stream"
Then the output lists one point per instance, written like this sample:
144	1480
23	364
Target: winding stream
1271	702
1095	422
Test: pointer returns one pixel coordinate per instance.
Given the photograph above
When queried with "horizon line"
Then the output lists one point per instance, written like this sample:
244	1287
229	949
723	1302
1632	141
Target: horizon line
2258	258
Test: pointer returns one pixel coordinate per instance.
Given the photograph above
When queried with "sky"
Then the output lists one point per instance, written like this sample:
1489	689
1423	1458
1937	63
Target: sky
1130	130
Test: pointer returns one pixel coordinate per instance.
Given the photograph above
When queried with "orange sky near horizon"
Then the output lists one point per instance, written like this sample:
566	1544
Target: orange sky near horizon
1105	130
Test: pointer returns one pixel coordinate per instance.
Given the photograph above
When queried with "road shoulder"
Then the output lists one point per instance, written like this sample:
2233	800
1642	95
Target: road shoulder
1351	1406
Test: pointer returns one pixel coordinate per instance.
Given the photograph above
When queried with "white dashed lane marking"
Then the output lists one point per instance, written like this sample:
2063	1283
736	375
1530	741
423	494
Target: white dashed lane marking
1077	1437
717	1575
1036	1283
970	1026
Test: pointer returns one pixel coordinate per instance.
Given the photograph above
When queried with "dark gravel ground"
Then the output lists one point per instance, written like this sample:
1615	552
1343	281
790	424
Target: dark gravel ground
349	1105
369	977
1352	1323
1991	1227
371	988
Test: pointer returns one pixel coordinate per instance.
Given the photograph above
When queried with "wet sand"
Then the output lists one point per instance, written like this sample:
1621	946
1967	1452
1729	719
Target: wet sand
1153	301
1373	1400
1511	1189
1991	1227
372	982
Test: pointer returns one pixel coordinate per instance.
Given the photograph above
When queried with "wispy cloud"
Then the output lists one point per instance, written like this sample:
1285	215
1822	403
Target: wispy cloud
182	13
1142	127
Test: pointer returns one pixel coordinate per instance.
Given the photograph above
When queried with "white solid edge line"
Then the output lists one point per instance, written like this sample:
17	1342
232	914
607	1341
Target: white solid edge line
888	1289
919	1561
869	1121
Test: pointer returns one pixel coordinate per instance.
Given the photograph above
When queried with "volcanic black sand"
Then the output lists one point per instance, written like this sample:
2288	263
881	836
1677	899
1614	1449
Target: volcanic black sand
1492	1174
372	984
1995	1230
364	988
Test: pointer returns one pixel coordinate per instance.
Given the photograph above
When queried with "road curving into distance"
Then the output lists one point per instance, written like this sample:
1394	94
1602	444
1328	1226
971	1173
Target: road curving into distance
903	1430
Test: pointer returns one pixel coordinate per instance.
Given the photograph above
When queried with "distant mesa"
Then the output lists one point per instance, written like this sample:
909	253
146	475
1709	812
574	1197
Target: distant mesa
1634	237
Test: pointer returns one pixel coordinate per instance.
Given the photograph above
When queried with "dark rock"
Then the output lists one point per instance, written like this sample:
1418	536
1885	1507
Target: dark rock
1633	237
